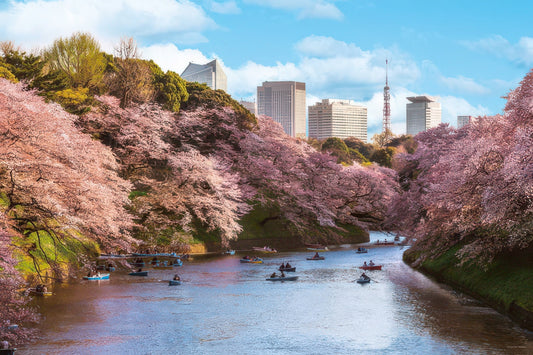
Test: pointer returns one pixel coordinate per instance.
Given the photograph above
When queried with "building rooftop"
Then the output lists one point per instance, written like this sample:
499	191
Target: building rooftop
423	98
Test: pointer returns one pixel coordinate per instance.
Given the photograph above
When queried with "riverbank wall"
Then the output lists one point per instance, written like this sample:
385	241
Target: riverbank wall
506	284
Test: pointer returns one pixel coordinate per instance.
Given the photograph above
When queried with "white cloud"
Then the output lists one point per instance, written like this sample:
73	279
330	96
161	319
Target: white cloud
304	8
521	52
36	22
169	57
465	85
323	47
228	7
453	106
344	69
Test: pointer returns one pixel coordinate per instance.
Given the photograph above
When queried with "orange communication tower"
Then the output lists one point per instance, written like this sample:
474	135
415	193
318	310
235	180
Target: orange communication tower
386	101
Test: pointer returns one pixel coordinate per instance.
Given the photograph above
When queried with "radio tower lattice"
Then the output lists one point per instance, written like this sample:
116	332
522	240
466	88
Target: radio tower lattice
386	102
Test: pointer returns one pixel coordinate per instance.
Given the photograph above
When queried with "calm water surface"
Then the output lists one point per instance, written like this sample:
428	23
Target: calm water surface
224	306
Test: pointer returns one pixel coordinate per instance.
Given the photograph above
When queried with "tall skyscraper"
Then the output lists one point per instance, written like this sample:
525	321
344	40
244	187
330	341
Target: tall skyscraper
463	121
284	101
337	118
422	113
210	74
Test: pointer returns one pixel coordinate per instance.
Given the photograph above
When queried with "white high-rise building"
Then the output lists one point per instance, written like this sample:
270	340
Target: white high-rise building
463	121
210	74
422	113
337	118
284	101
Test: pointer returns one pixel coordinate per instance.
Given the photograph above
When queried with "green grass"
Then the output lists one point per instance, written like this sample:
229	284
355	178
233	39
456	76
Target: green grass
507	279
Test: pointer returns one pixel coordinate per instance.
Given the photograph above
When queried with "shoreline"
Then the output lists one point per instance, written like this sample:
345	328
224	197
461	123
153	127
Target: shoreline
504	286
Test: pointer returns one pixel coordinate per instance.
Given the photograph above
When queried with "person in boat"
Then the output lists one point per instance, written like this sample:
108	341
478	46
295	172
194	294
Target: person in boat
246	257
364	264
359	249
140	269
371	263
364	276
176	277
282	266
316	255
287	266
282	274
273	275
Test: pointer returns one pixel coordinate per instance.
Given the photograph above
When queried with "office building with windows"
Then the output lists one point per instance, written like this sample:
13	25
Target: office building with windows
463	121
210	74
284	101
423	112
337	118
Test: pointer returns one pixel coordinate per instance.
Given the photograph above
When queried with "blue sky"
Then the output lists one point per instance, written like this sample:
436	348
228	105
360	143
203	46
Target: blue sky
467	53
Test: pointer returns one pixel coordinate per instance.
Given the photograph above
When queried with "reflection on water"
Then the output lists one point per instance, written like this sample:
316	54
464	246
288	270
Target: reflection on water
224	306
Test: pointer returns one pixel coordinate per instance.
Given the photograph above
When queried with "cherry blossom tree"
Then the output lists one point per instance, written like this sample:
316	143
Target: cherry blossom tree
15	314
56	180
471	186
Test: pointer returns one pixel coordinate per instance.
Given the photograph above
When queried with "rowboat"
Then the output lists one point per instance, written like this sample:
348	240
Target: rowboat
363	280
361	250
252	261
174	282
33	291
373	267
286	278
138	273
287	269
229	252
316	258
97	277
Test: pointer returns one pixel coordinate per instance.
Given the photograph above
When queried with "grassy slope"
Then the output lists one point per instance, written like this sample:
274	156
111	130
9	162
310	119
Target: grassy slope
507	284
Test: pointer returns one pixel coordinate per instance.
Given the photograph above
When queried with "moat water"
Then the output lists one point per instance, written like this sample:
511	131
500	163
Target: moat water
225	307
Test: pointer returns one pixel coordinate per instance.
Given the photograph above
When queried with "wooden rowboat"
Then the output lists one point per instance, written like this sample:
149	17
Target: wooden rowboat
138	273
368	267
286	278
252	261
34	292
363	280
287	269
316	258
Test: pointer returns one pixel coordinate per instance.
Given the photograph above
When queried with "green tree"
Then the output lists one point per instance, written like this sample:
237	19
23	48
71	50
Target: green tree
358	145
79	58
171	89
383	156
338	148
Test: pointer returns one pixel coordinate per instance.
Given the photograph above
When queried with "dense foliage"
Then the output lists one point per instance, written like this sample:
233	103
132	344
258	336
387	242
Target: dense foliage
472	186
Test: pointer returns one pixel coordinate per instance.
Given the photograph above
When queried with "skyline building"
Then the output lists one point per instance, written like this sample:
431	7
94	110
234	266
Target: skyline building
422	113
284	101
463	121
250	106
337	118
210	74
